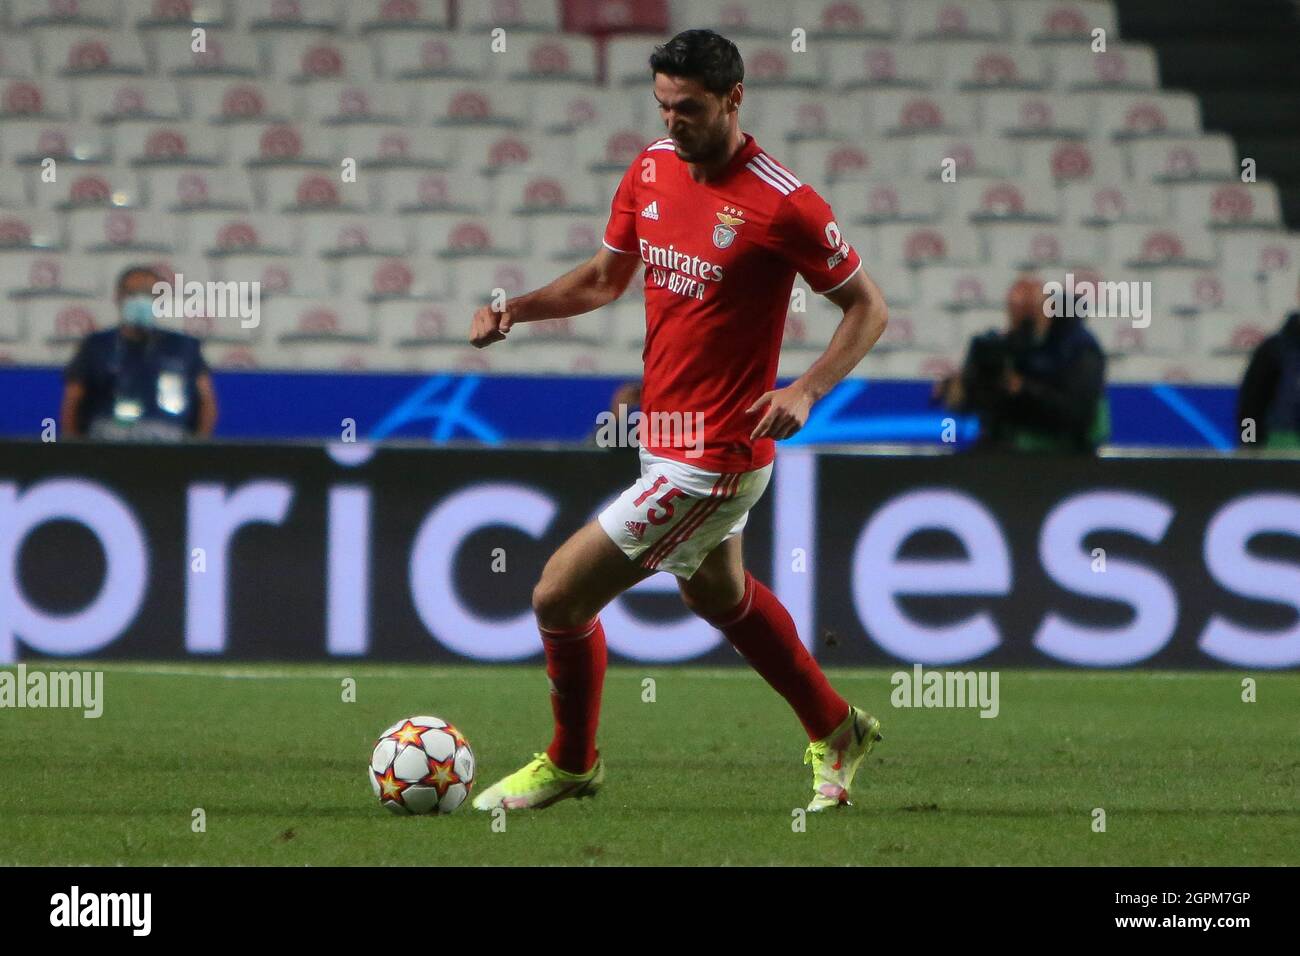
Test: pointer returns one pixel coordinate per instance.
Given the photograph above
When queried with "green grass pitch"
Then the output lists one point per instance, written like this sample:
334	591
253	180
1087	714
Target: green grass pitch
1186	772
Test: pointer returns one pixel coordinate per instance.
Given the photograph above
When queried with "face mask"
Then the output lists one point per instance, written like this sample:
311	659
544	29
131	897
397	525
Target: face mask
137	310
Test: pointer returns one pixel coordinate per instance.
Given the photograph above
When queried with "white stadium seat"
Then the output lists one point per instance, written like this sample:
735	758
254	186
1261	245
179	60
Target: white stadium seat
1060	21
24	274
546	57
1121	67
1125	116
877	66
1100	202
732	18
1022	115
952	20
839	19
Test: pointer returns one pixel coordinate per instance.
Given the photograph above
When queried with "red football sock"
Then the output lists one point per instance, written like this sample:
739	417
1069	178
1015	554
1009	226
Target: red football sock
575	663
762	630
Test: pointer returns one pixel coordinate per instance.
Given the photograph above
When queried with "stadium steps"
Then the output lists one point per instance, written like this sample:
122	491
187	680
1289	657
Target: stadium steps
1240	59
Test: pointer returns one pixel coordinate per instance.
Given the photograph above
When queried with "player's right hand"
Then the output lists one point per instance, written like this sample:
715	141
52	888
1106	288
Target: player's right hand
489	326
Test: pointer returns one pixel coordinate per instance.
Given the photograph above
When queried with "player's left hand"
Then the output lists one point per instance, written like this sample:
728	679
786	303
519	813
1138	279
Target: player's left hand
787	411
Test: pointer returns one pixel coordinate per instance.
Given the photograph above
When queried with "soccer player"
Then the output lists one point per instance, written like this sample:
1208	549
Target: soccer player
721	228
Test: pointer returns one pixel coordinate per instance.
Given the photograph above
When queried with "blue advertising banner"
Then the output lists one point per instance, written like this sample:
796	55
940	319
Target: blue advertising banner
499	409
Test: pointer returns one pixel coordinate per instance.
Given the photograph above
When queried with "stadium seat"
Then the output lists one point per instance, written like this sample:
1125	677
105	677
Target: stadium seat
31	142
487	152
510	15
1260	251
346	103
308	58
1072	160
1232	333
452	103
972	155
137	100
1060	21
221	56
771	65
1021	115
24	100
123	230
83	185
950	20
28	274
1126	116
826	163
169	144
227	102
948	288
25	14
1121	67
979	68
59	324
17	56
30	229
734	18
458	235
364	16
418	55
914	244
1022	199
857	20
546	58
1101	202
286	274
298	190
852	66
1144	246
1183	159
1228	205
225	233
277	17
901	113
884	201
1033	246
195	188
81	51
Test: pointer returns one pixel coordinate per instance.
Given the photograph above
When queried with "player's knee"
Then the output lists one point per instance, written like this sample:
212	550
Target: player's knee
555	606
711	600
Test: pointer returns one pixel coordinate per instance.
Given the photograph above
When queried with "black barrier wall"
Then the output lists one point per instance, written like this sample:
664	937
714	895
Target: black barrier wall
303	552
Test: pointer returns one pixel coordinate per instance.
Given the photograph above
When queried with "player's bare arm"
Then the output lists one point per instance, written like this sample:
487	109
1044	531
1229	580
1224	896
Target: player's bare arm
597	282
865	316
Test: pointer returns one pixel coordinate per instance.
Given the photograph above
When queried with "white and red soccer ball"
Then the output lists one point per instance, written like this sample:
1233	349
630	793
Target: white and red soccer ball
422	765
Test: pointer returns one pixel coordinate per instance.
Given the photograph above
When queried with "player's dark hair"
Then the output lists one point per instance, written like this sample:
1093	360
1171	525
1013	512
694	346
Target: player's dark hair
136	270
700	55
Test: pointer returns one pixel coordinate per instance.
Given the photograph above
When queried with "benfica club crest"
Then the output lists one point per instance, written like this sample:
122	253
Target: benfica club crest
724	233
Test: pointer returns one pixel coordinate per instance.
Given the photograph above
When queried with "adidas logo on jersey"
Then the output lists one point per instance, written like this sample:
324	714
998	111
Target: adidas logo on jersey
651	211
636	529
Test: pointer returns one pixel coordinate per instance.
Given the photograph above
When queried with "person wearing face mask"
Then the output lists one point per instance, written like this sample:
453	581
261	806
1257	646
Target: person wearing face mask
1038	386
138	381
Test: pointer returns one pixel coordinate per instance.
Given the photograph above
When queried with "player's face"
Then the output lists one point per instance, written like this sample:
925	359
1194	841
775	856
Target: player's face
698	121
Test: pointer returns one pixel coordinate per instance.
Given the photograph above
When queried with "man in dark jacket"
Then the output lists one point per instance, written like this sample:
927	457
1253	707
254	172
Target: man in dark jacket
1038	386
137	380
1270	391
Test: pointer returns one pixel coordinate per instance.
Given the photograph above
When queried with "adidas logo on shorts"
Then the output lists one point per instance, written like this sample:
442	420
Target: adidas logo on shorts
636	529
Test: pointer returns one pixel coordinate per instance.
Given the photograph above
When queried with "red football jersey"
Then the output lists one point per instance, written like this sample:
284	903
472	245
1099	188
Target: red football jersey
720	260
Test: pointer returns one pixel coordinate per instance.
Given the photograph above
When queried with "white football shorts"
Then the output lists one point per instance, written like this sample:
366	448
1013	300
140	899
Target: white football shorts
675	514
